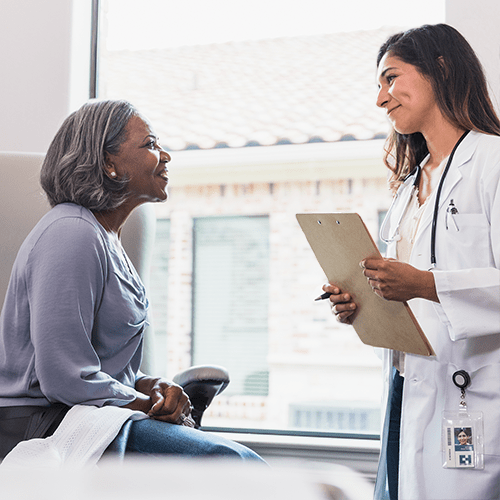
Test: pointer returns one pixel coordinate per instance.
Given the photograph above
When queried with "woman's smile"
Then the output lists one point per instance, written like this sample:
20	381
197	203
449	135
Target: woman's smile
164	175
406	94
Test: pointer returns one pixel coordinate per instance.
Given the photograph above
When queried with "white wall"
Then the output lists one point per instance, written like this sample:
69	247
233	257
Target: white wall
479	22
44	68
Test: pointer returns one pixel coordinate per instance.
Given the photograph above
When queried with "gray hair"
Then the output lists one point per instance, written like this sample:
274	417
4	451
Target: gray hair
74	169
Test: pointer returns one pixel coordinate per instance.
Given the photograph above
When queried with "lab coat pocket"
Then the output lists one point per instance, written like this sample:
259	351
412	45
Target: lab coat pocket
467	240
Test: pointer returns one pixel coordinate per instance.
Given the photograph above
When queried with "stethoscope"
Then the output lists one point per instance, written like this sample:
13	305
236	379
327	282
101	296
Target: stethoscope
414	178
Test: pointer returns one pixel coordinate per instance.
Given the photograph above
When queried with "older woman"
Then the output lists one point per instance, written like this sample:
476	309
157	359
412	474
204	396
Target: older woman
73	319
444	258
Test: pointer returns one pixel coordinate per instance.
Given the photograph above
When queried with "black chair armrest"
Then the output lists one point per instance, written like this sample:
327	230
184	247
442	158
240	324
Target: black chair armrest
202	383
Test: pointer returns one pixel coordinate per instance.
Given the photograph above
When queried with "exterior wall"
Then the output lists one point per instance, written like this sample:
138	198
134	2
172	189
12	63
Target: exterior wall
313	360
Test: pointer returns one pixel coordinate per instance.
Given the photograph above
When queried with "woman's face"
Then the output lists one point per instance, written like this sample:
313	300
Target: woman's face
406	95
462	437
142	160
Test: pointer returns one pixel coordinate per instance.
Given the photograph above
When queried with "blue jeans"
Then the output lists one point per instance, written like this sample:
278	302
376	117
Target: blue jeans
153	437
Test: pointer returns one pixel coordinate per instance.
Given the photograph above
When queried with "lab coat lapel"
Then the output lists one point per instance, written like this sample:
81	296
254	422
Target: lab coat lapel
454	176
452	179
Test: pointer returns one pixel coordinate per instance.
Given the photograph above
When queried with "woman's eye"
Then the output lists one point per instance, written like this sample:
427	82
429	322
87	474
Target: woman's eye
390	78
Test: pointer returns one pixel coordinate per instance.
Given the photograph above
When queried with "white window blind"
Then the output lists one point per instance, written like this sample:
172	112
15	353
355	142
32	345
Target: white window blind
230	299
159	275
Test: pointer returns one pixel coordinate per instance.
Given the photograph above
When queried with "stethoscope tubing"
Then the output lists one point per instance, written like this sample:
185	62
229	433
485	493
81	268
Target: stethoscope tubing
415	173
412	178
438	196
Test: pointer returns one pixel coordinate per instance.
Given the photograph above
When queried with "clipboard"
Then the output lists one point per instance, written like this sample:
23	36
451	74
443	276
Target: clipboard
340	241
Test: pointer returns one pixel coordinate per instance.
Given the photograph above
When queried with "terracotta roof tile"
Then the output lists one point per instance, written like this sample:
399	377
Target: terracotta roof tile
277	91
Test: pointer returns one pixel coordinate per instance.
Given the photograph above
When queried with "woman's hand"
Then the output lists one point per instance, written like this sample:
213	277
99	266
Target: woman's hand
342	305
395	280
169	402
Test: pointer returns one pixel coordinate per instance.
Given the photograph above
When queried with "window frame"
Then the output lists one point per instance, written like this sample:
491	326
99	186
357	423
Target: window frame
94	49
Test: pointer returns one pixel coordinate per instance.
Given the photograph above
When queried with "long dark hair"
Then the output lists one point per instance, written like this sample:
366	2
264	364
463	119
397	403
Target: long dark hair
445	58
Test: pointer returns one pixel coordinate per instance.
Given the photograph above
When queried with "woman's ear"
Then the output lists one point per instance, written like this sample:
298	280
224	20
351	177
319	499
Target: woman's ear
110	168
110	171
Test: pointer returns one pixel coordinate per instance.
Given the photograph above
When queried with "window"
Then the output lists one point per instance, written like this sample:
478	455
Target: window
231	299
261	125
158	290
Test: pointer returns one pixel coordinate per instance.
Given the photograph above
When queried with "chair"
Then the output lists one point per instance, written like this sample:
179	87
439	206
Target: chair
22	204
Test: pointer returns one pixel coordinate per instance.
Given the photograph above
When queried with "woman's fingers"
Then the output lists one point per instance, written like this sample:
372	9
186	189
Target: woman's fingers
371	270
399	281
341	302
169	402
331	289
182	416
185	417
344	311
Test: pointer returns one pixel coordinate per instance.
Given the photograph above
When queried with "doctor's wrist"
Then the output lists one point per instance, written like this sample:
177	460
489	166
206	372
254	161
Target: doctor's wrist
428	287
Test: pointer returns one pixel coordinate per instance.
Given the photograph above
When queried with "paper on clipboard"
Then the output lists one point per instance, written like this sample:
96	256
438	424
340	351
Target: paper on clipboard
340	242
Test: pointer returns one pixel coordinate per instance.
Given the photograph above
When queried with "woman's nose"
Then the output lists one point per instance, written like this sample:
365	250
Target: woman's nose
165	157
382	97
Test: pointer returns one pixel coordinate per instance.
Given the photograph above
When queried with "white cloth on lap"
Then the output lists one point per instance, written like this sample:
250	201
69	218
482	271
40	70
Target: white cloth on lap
80	440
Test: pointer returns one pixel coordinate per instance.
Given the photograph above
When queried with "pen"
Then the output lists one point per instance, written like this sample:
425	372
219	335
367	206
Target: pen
323	296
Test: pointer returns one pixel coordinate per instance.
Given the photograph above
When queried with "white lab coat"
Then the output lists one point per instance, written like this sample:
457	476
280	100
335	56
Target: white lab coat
464	330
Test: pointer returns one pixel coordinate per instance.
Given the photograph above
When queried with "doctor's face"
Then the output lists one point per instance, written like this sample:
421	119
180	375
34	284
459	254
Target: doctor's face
406	95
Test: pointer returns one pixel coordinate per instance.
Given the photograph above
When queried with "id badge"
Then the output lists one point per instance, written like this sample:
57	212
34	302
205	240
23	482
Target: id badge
462	433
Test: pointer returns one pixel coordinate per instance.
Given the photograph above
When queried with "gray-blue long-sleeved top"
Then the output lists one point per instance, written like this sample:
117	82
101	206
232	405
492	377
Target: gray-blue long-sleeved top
72	323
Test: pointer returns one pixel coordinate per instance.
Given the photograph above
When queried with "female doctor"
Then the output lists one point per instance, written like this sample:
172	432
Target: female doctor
443	257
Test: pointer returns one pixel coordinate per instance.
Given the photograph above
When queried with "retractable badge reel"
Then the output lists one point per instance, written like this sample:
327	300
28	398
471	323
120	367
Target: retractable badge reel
462	431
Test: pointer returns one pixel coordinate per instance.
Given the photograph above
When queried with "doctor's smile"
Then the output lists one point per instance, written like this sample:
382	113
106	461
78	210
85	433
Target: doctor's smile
389	111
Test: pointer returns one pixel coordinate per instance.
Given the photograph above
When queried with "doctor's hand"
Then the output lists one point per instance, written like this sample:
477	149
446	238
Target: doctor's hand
341	302
395	280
